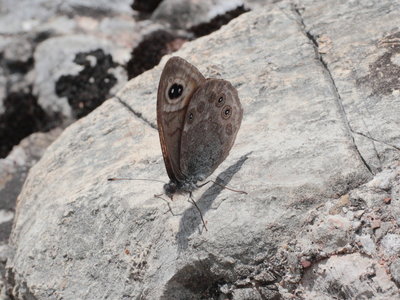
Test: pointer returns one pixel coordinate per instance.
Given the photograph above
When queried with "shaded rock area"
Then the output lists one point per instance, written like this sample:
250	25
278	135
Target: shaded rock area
22	116
216	22
317	153
151	49
146	6
202	18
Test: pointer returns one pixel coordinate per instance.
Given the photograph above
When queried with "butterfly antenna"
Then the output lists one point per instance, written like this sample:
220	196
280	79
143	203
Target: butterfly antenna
142	179
201	215
223	186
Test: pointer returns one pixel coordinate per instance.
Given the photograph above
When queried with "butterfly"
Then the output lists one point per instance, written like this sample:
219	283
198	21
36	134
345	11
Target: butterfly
198	120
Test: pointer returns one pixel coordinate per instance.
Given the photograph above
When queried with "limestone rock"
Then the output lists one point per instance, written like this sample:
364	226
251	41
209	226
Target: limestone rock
391	244
350	276
185	14
362	66
395	271
13	172
77	235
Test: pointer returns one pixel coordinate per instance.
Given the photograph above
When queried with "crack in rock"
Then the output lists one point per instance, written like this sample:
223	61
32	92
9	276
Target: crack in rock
338	98
376	140
135	113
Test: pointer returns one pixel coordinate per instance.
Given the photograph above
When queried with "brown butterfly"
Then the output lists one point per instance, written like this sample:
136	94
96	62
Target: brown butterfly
198	120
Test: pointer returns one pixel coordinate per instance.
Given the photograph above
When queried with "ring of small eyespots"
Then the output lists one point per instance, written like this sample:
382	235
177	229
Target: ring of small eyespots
226	112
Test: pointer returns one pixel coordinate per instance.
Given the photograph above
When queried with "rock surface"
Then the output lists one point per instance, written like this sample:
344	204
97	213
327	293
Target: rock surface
185	14
70	56
13	172
318	153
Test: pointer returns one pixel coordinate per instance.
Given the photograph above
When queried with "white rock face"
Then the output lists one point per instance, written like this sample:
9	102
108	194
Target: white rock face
317	126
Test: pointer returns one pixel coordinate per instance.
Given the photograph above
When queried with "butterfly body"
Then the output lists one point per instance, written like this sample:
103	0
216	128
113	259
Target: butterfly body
198	120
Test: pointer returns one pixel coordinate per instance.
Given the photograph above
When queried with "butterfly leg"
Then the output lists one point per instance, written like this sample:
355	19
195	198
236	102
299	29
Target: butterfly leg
166	201
201	215
221	185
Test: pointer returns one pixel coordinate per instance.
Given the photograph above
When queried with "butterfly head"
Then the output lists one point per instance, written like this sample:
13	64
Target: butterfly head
187	186
170	188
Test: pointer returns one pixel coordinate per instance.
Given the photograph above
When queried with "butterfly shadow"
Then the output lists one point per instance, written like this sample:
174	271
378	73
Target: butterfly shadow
191	219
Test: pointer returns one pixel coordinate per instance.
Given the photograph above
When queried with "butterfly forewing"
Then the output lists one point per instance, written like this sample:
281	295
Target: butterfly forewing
211	123
179	80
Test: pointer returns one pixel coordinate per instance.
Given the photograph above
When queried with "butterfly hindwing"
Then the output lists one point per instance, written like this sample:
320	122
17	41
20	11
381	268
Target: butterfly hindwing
211	123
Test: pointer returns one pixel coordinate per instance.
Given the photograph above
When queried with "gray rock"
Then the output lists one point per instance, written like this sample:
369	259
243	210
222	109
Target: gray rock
295	153
97	8
368	244
16	54
395	271
384	227
15	18
67	28
13	171
329	232
348	277
391	244
16	49
259	4
268	293
191	13
246	294
362	70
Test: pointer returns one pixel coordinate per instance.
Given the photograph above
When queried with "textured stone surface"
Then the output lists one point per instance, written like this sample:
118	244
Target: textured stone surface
316	204
15	60
55	58
351	275
185	14
395	271
13	172
360	53
39	41
354	260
